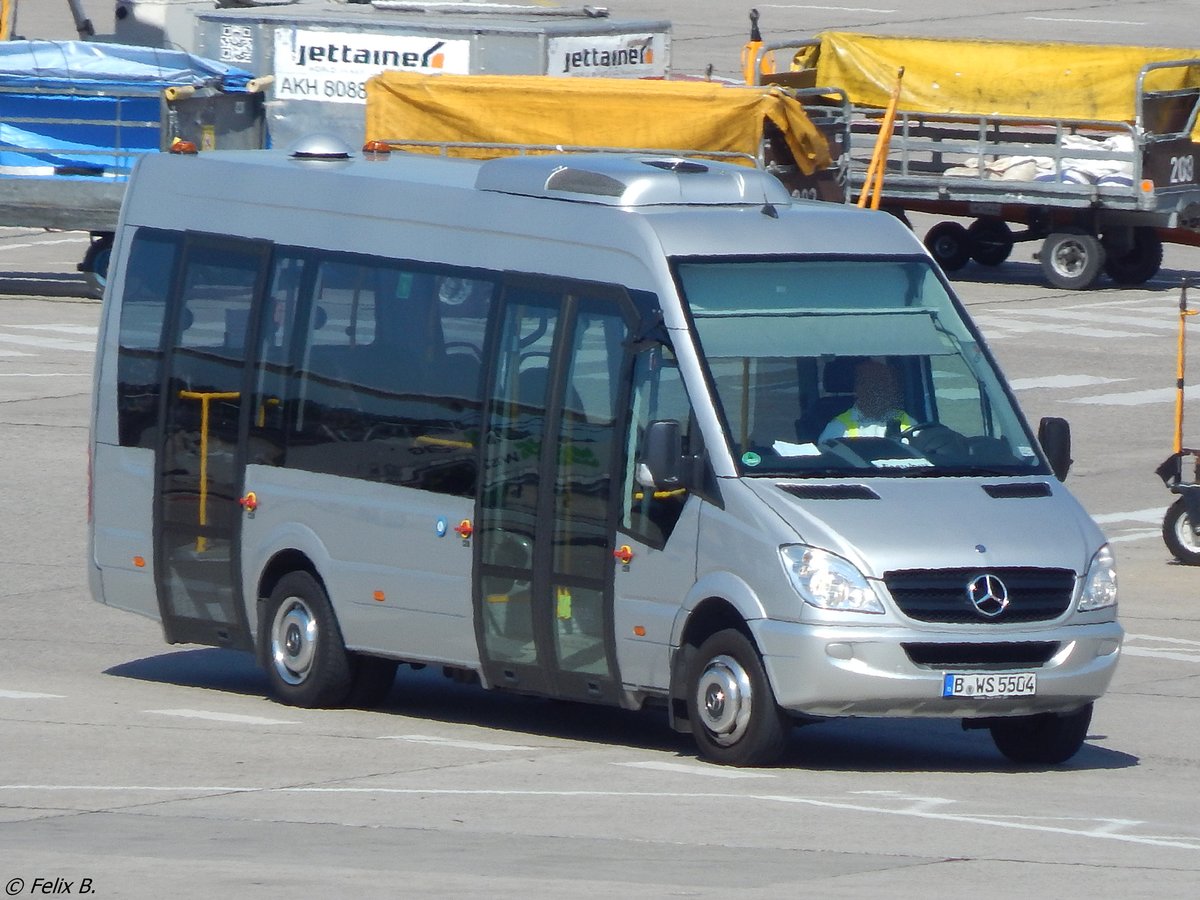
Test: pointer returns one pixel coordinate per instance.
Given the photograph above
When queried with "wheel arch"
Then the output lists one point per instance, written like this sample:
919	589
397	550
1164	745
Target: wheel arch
282	563
709	616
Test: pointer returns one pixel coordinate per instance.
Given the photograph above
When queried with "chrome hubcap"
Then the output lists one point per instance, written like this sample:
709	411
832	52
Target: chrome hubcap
1185	535
724	700
293	640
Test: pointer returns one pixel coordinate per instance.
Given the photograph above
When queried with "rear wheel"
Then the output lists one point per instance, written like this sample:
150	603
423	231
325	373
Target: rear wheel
1134	258
949	244
991	241
1178	535
307	663
1044	739
735	720
1072	260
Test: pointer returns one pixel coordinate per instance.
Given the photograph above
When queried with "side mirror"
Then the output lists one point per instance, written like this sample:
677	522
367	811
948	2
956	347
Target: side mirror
1054	434
662	456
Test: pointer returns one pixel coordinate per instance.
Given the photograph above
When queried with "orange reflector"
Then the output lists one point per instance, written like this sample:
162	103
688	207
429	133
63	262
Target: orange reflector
181	146
380	596
140	562
639	630
377	147
1147	186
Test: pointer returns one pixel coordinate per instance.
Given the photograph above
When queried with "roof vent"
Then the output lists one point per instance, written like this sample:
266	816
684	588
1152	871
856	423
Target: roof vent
678	166
320	146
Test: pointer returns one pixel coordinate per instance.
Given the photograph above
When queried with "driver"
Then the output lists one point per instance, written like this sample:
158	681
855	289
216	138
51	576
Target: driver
876	411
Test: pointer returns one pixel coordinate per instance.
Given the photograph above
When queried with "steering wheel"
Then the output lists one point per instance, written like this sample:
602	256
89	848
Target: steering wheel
935	439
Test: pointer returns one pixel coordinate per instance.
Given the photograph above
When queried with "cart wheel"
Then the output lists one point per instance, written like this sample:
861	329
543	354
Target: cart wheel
991	241
1178	535
1135	261
949	244
1072	259
95	262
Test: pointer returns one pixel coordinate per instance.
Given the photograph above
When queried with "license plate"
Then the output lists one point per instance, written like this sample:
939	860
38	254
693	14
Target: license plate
990	684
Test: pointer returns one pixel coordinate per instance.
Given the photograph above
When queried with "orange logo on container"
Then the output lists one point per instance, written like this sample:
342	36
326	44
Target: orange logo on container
437	61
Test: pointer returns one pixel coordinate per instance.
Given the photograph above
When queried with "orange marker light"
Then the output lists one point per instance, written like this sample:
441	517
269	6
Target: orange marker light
380	596
140	562
639	630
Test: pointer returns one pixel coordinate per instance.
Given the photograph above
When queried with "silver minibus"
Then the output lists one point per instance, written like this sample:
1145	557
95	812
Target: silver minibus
595	427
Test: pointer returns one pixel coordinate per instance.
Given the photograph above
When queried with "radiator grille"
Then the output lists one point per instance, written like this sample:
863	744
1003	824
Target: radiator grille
940	595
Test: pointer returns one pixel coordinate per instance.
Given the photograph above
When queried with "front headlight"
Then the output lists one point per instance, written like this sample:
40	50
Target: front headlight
1100	585
827	581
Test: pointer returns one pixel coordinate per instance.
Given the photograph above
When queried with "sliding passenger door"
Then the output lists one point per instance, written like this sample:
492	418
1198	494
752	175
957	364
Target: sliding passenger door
554	432
201	458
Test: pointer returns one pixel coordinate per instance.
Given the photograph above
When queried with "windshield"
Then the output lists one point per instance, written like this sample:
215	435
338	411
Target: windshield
833	366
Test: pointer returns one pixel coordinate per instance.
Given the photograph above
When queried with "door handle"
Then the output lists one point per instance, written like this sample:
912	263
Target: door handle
250	502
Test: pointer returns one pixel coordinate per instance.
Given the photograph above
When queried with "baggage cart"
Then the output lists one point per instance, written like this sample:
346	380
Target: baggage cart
1089	149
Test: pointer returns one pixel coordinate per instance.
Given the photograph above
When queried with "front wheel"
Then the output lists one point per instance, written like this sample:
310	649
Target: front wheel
1178	535
1044	739
735	720
1072	260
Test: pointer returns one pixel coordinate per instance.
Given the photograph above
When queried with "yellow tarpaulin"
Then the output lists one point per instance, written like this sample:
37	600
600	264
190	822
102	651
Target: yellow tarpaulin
588	112
1014	78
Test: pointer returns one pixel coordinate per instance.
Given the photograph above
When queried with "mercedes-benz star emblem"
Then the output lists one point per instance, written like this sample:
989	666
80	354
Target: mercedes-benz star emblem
989	595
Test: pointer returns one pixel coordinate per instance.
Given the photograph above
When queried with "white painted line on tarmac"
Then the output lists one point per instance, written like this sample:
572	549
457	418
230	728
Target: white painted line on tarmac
449	742
89	330
1128	398
1150	514
1057	382
850	9
685	769
31	340
1081	21
1161	654
28	695
1142	534
15	353
1101	828
82	239
233	718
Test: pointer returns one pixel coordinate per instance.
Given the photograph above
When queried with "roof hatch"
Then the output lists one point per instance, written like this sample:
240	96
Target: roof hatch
631	180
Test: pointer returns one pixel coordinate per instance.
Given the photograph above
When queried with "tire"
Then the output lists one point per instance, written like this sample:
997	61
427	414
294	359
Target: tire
735	720
991	241
372	681
306	661
949	245
1072	260
1136	261
95	263
1044	739
1178	536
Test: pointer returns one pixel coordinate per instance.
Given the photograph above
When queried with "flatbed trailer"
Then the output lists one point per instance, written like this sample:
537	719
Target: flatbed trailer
1101	183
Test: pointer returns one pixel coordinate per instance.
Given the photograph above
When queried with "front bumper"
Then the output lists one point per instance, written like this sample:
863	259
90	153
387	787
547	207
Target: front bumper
822	670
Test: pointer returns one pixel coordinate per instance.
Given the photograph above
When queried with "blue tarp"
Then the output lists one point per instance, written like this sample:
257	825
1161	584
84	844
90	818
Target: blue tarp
76	108
84	65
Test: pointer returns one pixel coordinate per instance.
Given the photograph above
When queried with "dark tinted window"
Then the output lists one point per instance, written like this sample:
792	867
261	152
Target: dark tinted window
139	359
386	382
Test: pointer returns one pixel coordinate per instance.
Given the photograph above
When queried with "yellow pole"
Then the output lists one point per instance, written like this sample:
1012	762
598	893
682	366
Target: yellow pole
6	15
873	183
205	397
1184	312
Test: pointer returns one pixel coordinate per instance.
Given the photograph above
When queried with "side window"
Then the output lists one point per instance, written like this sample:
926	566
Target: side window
658	394
277	337
139	357
387	386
